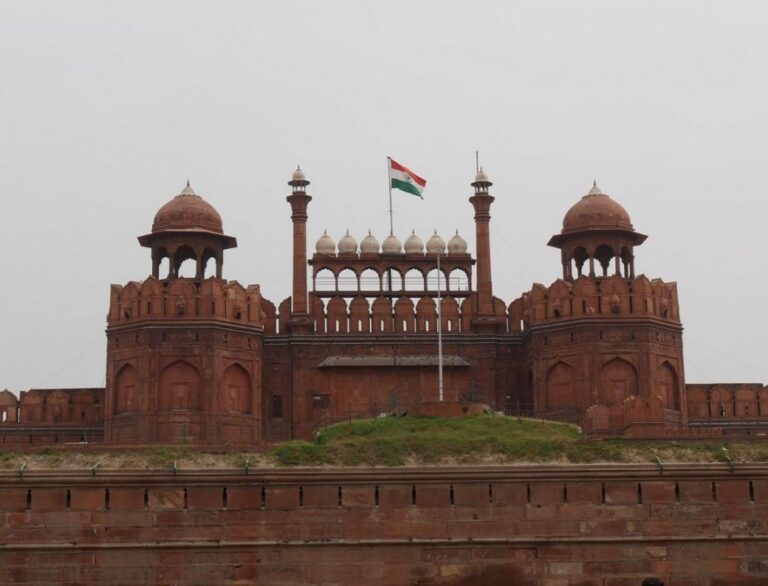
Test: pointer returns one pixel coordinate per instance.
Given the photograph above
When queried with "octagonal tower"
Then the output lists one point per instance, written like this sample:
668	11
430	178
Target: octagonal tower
184	354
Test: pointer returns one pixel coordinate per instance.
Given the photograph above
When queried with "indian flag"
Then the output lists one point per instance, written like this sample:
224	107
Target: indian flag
404	179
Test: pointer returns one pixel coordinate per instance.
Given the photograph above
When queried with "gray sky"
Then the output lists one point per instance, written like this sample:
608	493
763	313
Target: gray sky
107	107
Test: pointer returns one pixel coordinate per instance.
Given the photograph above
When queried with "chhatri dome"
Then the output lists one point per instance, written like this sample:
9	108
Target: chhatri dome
596	211
347	244
325	244
391	245
413	244
187	212
369	244
457	245
435	244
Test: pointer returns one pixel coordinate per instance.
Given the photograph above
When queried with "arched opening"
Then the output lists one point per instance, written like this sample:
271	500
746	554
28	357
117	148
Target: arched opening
185	263
392	280
180	387
435	279
209	269
561	386
370	280
414	280
236	390
161	266
325	280
666	379
618	380
604	254
580	256
347	280
164	268
127	390
458	280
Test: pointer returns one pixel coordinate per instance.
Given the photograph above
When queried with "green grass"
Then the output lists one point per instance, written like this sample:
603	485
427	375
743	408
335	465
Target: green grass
489	439
397	441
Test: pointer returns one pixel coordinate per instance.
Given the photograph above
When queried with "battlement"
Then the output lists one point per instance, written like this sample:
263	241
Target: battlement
728	404
187	298
611	296
384	315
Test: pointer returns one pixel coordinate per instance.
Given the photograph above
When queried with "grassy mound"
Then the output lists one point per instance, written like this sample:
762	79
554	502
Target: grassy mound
488	439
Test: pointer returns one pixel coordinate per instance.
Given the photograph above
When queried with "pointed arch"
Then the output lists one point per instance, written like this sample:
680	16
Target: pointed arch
126	398
618	380
180	387
668	387
236	384
359	316
404	316
182	268
381	318
561	386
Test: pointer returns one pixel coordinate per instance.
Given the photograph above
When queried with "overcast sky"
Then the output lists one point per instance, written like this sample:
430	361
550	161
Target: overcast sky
106	108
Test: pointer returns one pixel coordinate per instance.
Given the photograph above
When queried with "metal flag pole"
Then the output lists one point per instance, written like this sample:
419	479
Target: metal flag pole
439	333
391	226
389	186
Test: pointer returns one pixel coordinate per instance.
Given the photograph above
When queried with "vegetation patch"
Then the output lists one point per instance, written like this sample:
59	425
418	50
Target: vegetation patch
405	441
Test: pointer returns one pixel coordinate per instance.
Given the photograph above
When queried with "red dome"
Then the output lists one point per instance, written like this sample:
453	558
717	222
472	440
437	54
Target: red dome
187	211
596	211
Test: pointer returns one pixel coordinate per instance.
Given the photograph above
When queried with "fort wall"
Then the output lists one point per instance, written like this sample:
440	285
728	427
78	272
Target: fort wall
556	525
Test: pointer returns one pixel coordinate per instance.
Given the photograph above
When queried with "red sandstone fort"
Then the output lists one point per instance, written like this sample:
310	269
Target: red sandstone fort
206	360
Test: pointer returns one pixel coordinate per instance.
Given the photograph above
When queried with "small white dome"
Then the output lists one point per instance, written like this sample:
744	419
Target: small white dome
298	175
325	244
369	244
481	177
435	244
391	245
414	244
457	245
347	244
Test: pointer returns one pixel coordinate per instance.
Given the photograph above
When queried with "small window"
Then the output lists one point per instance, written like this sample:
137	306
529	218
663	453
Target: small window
277	406
321	401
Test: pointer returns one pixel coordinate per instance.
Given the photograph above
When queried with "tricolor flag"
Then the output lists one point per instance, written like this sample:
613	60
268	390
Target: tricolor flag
402	178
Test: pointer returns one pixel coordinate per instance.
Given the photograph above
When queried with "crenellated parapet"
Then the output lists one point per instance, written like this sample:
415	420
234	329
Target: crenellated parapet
60	406
186	299
727	403
607	297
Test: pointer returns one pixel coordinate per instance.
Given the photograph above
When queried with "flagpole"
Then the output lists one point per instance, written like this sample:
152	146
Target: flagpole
391	228
439	333
389	185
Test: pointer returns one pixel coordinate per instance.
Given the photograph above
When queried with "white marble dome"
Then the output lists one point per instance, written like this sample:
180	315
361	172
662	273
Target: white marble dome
325	244
347	244
457	245
369	244
391	245
298	174
435	244
414	244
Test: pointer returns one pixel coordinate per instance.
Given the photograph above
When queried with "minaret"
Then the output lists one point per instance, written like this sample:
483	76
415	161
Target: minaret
299	200
481	201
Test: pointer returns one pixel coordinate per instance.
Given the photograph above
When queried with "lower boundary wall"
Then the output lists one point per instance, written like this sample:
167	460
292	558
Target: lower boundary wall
690	525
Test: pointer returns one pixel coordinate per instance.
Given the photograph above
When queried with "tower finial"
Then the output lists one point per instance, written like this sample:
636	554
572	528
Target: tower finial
298	180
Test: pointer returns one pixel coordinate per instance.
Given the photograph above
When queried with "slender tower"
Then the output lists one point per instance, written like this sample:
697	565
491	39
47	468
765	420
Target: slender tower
300	321
485	320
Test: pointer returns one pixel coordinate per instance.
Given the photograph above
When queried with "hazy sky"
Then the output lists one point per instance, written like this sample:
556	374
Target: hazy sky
106	108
